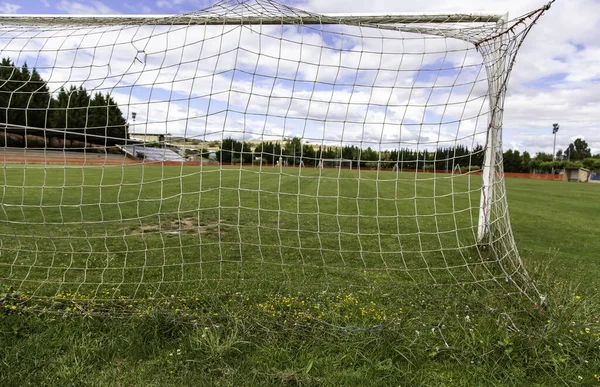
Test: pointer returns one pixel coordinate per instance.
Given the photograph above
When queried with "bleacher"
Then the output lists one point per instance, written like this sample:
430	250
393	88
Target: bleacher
151	153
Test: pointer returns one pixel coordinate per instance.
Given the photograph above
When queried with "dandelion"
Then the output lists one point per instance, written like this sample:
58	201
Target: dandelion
577	297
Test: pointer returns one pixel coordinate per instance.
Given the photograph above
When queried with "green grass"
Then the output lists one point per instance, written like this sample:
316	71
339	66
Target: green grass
157	232
558	221
290	280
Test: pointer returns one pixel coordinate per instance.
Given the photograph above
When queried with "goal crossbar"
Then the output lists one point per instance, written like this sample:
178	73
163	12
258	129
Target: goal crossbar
192	19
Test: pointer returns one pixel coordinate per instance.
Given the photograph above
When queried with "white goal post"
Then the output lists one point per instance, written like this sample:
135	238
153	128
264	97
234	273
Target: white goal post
335	163
421	95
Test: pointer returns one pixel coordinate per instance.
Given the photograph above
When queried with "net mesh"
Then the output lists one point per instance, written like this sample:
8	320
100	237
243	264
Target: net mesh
249	148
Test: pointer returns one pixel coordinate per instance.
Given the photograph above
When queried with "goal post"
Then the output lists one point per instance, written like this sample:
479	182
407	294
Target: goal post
335	163
404	102
497	72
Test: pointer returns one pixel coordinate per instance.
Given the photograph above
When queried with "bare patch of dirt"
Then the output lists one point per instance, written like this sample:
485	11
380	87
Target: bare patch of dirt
180	226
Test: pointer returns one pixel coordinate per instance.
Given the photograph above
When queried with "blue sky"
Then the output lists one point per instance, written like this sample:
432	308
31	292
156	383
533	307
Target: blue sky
555	79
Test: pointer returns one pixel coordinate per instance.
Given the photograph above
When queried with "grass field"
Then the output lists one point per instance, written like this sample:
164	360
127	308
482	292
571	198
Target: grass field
158	231
253	277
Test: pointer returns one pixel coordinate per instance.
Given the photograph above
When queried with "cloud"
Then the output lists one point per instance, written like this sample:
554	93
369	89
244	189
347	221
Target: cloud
273	85
564	41
138	8
195	81
91	7
9	8
167	3
190	5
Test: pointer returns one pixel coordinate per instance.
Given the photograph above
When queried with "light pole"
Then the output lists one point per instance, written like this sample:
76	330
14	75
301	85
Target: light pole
133	115
555	128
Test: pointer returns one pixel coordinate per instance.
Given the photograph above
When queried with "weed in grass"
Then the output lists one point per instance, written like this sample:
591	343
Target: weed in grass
216	341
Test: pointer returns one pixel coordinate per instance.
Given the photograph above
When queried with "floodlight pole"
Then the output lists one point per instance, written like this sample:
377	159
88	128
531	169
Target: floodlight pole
555	128
495	71
133	115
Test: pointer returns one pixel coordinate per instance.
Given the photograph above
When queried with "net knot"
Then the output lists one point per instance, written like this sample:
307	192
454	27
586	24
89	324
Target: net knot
547	6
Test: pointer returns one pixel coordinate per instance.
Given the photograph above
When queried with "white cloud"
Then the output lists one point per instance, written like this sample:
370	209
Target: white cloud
165	3
45	3
563	46
178	4
555	78
91	7
138	8
274	84
9	8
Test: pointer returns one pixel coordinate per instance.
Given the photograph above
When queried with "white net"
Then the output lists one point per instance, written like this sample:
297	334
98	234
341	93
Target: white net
149	158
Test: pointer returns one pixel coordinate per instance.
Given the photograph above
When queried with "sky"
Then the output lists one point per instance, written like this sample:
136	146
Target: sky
556	76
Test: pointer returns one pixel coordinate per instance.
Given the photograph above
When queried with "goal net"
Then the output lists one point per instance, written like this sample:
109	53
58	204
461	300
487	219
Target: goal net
396	103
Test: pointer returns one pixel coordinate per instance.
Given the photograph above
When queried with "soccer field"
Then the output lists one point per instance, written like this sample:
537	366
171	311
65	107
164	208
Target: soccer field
155	231
225	279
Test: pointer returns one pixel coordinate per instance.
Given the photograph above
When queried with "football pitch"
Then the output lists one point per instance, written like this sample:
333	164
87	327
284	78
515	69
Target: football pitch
157	231
228	276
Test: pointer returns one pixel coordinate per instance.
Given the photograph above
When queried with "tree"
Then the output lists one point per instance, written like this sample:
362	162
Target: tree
24	96
308	154
512	161
578	150
592	164
98	118
348	152
105	118
559	154
293	149
368	155
543	156
25	100
68	110
525	162
234	151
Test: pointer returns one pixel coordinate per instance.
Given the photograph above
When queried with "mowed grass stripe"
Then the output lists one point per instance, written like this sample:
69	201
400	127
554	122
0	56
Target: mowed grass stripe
135	225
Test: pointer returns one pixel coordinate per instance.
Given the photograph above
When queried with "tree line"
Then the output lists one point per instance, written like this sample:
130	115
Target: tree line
30	114
28	109
577	154
293	152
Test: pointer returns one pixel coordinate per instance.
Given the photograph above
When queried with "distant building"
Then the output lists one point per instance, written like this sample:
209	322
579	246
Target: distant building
576	174
149	137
